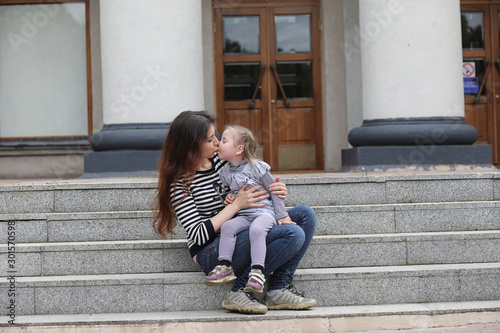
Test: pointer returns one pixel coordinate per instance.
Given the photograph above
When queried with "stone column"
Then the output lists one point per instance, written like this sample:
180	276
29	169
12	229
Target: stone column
412	95
152	69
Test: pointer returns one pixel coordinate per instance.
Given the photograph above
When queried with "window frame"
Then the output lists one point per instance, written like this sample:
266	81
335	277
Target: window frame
88	63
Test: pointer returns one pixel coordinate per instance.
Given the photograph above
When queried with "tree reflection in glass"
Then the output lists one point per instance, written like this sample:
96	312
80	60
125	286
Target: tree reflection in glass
241	34
472	31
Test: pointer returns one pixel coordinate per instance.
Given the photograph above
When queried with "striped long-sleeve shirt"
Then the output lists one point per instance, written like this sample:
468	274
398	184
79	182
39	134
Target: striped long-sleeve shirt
203	201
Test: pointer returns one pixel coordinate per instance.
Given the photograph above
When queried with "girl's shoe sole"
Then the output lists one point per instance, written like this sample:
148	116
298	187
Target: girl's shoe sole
226	279
254	290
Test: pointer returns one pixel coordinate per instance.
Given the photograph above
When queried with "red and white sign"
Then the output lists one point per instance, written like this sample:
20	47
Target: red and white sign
469	69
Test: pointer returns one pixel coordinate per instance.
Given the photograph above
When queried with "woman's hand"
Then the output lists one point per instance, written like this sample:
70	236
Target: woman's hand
278	188
246	199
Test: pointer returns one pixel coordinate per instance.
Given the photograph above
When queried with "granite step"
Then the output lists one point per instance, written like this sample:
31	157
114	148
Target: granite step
163	292
332	220
318	319
137	195
158	256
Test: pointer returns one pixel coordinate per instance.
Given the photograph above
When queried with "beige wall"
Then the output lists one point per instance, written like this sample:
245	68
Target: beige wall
208	56
334	84
58	164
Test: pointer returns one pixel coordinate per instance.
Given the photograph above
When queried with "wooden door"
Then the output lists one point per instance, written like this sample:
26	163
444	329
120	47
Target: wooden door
268	78
481	71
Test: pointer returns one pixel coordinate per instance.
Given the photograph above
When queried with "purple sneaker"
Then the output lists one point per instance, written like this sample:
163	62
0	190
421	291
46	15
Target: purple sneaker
220	274
256	281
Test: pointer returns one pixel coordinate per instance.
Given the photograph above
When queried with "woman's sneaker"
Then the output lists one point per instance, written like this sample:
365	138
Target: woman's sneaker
256	281
220	274
289	299
243	302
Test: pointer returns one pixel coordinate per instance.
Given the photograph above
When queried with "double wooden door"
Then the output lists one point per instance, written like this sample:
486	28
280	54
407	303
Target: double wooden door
268	77
481	70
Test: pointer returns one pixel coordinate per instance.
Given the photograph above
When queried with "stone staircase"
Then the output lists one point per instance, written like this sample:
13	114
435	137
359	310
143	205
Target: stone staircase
88	247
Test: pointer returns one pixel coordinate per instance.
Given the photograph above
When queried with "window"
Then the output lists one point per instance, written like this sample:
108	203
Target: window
44	70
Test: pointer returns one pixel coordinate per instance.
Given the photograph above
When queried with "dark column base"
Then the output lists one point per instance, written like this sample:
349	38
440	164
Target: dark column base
413	132
425	156
125	150
414	142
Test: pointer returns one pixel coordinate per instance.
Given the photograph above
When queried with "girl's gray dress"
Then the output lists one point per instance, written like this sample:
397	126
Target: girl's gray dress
259	220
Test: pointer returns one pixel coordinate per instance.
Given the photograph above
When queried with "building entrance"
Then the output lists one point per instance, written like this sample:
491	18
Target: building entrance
481	70
268	77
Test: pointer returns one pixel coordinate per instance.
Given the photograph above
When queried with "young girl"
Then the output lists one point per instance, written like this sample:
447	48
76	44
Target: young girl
238	146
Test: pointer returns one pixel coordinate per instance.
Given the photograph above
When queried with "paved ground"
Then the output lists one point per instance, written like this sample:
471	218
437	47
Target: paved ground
477	328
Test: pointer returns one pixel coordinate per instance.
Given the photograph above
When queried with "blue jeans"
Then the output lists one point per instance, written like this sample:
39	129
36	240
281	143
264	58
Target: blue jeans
286	245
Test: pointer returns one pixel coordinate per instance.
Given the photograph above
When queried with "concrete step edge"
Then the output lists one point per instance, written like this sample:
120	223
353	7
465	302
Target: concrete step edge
317	239
301	274
421	309
65	216
287	178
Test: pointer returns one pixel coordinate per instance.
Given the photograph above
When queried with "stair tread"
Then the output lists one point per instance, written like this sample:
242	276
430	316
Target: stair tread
222	315
54	216
293	179
173	276
166	243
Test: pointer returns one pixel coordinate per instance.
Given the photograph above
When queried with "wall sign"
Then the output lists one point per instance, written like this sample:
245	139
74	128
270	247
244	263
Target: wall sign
471	84
469	69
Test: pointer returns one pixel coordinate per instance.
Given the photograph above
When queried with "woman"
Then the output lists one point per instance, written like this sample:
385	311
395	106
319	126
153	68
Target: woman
190	191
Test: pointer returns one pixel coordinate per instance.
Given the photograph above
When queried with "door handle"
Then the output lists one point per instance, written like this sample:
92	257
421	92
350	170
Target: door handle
485	76
273	68
257	86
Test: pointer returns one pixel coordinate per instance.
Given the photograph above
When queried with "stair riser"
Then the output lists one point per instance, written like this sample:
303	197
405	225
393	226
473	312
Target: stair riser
356	191
323	252
75	200
393	191
340	220
188	293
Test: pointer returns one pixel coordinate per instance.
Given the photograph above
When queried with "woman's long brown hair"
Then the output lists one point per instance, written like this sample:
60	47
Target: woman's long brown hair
180	156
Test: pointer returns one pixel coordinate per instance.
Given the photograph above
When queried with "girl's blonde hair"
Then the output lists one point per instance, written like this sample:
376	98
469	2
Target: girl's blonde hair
247	138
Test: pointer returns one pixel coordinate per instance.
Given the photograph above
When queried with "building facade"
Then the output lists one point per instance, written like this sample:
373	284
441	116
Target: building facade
90	87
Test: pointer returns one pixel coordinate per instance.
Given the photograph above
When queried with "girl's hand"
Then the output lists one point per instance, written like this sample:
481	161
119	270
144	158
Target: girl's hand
229	199
246	199
278	188
286	220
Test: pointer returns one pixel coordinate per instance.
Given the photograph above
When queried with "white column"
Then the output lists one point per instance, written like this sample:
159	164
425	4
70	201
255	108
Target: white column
412	88
411	58
152	59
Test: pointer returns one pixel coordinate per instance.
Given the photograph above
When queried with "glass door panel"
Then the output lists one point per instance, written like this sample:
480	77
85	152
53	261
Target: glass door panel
241	34
473	72
296	79
472	31
293	33
240	80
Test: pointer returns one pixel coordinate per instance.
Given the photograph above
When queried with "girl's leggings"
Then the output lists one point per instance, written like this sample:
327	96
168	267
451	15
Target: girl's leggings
258	227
